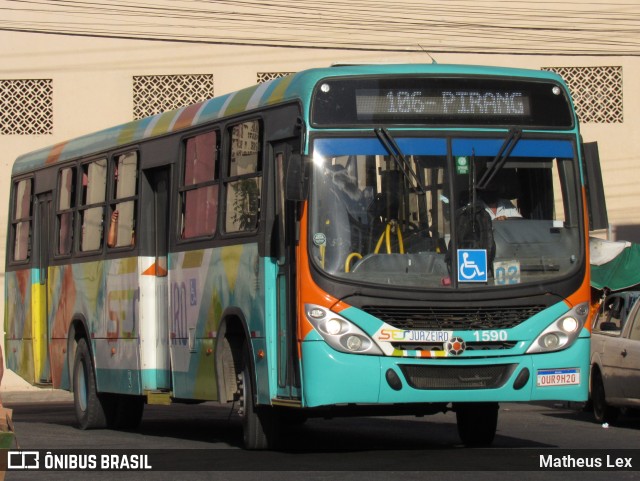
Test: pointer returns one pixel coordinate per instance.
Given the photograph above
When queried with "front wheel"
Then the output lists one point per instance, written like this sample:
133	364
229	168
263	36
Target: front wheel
92	410
260	425
477	423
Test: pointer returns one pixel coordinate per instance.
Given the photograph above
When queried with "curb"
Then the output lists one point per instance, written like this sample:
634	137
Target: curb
36	396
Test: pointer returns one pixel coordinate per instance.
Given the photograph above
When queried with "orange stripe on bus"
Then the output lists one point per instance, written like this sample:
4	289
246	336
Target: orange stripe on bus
155	270
309	292
583	293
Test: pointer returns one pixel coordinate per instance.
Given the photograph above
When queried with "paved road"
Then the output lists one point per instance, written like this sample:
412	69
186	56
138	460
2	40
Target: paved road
321	448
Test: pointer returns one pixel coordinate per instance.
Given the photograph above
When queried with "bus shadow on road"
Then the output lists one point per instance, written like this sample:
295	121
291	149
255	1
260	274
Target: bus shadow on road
376	435
216	425
210	426
220	426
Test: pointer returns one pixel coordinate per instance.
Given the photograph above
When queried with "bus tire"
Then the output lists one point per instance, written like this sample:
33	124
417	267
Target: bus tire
477	423
602	412
259	423
92	410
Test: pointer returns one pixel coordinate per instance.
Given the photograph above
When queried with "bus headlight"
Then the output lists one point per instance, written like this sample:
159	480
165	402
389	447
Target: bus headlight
340	334
562	333
333	327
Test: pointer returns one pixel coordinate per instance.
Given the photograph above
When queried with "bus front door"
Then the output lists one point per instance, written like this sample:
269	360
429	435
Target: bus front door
285	231
154	318
40	298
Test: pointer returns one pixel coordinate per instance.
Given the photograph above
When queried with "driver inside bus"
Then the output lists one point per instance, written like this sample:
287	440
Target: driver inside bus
498	208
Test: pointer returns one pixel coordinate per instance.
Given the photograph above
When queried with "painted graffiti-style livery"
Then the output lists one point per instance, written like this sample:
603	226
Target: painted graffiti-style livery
109	297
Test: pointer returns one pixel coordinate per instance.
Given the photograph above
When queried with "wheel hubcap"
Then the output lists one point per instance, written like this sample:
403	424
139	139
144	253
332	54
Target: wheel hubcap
81	388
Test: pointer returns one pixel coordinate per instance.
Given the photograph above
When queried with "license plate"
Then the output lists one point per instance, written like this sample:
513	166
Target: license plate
558	377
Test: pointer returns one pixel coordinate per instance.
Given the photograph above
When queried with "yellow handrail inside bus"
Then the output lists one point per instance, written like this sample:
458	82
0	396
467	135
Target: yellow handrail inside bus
379	244
347	263
386	237
323	247
400	242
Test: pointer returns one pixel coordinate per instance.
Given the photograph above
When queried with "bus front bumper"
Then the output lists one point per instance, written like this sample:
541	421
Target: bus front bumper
331	377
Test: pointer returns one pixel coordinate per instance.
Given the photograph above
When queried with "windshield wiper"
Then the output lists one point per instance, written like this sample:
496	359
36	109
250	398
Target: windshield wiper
501	157
394	150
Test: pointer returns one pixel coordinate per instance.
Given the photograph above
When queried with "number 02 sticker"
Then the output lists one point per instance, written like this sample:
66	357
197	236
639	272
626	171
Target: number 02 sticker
506	272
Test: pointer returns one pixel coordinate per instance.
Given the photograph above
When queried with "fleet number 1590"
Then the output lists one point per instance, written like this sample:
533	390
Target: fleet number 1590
488	336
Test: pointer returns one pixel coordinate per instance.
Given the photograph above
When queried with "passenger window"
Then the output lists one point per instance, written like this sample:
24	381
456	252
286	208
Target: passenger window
244	183
199	190
122	221
94	182
21	223
65	210
201	159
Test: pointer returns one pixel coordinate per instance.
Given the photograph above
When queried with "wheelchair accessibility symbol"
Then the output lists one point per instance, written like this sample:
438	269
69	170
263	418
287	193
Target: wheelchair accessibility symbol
472	265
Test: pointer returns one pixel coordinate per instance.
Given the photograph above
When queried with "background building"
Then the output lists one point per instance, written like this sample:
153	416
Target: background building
70	68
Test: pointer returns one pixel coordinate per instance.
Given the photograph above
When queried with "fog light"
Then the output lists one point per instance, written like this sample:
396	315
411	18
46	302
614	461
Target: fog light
569	324
354	343
333	326
550	340
316	313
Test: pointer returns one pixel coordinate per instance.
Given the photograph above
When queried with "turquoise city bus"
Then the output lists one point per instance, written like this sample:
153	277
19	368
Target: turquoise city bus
374	239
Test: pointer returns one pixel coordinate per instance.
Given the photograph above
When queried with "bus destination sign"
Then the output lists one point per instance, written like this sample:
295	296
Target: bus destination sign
467	103
437	101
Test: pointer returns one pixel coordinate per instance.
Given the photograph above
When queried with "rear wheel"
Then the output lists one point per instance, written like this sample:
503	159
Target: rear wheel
601	410
260	425
477	423
92	410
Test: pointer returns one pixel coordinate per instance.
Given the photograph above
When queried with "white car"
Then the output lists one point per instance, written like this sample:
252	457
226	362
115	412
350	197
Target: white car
615	356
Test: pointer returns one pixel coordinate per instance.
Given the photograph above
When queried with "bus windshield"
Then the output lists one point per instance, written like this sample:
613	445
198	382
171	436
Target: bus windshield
445	212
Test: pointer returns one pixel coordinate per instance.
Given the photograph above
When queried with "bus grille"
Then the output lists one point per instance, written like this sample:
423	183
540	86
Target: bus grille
470	346
456	318
457	377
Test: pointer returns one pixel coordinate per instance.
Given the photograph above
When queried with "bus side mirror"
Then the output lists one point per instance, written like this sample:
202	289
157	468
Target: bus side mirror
597	206
296	177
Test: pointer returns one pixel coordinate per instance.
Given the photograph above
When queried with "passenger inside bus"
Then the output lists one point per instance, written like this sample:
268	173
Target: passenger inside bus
112	235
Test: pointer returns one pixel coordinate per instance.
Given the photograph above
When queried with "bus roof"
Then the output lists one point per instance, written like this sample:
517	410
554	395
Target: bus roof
292	87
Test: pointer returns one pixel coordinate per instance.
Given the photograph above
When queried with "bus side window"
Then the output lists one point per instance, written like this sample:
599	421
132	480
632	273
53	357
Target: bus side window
21	222
65	212
94	182
199	188
244	182
122	220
